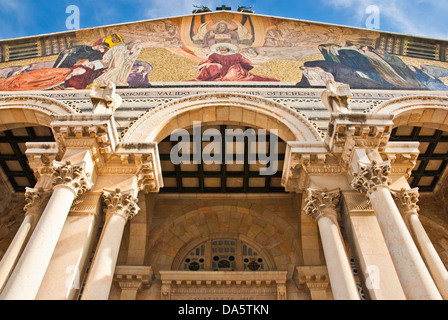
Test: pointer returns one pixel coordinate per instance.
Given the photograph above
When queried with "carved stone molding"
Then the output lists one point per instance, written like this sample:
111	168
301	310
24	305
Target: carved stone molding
304	160
314	279
132	279
144	128
407	200
236	285
322	202
96	132
371	176
41	155
356	203
86	204
347	131
402	156
120	203
144	159
36	200
72	176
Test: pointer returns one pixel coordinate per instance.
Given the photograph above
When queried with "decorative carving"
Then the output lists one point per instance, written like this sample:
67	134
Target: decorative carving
407	199
133	278
144	158
314	279
105	100
71	176
41	155
147	181
350	131
162	113
305	159
371	176
121	203
86	204
336	97
236	285
357	204
36	199
320	202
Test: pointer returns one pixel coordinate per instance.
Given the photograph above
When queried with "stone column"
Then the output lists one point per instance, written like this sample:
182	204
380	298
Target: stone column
407	204
70	181
36	200
321	205
120	207
372	179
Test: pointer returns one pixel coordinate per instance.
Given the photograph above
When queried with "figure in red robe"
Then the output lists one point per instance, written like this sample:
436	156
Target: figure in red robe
228	65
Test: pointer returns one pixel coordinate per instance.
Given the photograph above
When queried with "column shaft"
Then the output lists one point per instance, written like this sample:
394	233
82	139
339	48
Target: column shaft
321	205
99	281
415	278
339	271
120	208
15	248
429	254
27	276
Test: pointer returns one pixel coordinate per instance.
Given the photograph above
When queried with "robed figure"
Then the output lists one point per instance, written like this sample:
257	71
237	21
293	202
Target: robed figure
227	64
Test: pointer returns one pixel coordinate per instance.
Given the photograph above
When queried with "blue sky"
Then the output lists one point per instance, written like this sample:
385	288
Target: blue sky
427	18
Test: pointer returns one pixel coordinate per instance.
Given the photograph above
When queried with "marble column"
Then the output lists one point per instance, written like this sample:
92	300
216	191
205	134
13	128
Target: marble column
372	179
36	200
407	204
322	206
24	282
120	207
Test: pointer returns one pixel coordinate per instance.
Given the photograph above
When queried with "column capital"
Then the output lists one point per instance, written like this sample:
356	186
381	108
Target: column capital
371	176
322	203
71	176
407	200
36	200
120	203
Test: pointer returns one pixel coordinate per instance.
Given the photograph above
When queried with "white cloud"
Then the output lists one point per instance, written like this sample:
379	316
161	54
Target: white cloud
418	17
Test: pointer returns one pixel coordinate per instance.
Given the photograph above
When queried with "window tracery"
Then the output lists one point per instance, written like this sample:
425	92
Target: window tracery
224	255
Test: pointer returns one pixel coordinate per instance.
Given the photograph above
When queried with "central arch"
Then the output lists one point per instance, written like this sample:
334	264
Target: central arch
228	108
251	223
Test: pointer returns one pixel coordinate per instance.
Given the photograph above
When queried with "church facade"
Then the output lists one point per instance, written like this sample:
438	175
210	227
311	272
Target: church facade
224	155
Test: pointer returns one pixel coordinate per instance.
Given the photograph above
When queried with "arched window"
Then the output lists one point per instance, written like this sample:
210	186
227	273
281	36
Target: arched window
224	255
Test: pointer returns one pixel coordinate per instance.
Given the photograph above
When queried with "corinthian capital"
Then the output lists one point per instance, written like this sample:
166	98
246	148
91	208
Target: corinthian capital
72	176
321	202
36	199
371	176
121	203
407	200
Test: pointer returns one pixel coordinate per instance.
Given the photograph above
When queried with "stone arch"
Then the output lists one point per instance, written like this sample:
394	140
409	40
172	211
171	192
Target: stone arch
222	108
417	111
252	223
21	111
